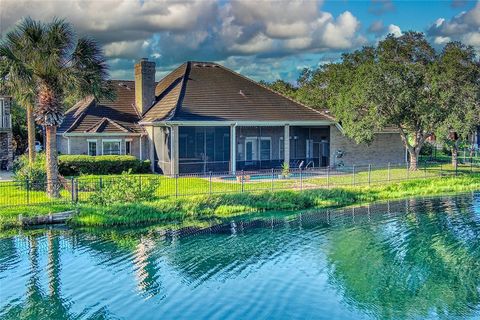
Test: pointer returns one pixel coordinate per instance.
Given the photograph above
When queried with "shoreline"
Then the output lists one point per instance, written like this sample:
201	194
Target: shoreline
216	208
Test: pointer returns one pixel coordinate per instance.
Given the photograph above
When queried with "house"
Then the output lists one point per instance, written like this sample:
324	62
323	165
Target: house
6	137
202	115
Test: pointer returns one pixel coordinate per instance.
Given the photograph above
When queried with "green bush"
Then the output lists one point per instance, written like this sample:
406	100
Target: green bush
74	165
123	189
427	149
34	173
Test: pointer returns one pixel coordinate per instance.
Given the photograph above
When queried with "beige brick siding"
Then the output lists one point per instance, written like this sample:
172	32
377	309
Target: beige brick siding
387	147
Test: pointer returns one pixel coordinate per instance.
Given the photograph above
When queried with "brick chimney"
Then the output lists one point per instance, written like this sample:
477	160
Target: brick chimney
144	84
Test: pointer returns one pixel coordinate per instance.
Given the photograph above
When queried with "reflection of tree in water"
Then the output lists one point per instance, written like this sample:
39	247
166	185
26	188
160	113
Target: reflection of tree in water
8	254
410	267
138	246
38	303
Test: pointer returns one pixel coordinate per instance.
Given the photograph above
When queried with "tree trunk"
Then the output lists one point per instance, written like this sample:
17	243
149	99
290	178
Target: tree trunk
455	155
414	159
31	134
52	162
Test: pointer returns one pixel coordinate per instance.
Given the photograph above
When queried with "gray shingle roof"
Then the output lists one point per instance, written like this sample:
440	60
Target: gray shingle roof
118	116
207	91
195	91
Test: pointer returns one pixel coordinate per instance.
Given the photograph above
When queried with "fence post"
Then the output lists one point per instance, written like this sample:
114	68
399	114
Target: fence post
243	180
369	174
353	172
101	184
72	188
328	177
408	171
273	177
210	184
388	172
176	185
140	182
441	169
425	169
301	179
456	169
28	191
75	182
471	165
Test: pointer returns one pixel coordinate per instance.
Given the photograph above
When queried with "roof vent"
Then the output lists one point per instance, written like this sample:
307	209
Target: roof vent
205	65
121	84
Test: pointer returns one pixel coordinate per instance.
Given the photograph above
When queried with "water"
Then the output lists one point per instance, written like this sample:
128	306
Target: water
417	259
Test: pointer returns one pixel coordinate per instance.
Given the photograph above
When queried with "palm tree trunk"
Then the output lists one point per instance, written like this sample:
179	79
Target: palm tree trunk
31	134
52	161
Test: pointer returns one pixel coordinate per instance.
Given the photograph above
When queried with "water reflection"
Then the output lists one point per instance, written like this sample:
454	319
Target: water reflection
407	259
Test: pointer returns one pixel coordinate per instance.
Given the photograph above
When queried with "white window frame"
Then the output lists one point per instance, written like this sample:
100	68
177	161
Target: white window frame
96	146
112	140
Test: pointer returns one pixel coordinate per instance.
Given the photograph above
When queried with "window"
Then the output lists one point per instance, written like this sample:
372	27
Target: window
265	149
128	147
92	148
111	147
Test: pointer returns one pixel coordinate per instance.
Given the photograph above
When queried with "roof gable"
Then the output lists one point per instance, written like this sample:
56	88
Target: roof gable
107	125
88	114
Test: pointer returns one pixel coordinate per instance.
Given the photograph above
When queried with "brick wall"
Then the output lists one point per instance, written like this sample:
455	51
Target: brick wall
387	147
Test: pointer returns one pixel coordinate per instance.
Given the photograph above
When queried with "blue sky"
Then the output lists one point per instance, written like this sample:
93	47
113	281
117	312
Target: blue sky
265	40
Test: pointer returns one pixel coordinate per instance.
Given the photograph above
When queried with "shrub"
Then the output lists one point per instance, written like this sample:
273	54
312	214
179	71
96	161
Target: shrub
125	188
34	173
427	149
73	165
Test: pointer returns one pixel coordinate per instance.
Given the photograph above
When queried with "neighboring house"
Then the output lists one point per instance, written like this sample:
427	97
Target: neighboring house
6	138
202	115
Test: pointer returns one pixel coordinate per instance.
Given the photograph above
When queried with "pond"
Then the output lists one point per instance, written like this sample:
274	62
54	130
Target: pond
416	258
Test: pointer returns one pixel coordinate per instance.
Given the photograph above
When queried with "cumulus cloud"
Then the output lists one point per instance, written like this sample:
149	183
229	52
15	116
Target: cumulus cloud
395	30
464	27
170	32
285	27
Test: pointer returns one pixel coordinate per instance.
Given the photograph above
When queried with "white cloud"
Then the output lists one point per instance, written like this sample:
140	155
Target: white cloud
464	27
395	30
173	31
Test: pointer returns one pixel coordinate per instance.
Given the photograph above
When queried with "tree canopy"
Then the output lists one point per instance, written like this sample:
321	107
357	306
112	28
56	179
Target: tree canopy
402	83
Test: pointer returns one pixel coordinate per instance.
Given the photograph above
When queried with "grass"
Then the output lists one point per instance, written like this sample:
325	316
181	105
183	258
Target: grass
221	206
226	200
218	207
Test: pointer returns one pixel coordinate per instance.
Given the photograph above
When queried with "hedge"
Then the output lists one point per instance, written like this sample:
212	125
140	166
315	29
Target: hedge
73	165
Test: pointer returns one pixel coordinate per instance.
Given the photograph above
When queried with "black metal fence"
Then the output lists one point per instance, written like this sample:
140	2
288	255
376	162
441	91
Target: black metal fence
82	189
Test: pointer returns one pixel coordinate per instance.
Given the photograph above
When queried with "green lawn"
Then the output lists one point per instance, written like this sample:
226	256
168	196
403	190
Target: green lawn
14	194
15	200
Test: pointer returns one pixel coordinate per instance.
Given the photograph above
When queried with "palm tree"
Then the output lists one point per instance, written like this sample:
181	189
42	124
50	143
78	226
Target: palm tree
24	95
58	64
